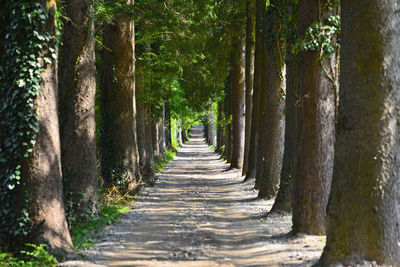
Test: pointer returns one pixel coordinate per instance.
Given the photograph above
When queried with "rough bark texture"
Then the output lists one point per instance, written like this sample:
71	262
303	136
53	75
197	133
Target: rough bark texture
42	170
107	122
364	204
314	163
238	101
258	74
148	138
121	104
220	129
168	140
283	201
155	137
249	76
228	117
77	120
145	159
275	118
262	84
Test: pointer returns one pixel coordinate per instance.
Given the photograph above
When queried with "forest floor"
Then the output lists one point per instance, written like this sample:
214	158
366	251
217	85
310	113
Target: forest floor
199	214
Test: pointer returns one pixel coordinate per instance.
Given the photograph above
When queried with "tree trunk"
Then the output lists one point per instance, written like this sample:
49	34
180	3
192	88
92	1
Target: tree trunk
364	203
148	138
283	201
314	163
144	157
122	104
78	89
238	101
161	137
107	122
275	118
249	76
42	170
259	73
228	118
220	129
155	137
168	136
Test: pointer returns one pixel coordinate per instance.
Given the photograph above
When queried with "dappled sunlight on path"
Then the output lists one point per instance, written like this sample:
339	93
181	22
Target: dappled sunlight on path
198	214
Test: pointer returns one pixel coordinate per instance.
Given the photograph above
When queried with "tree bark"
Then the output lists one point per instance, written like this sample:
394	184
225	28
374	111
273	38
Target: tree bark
259	68
148	138
283	201
275	118
249	76
42	170
314	163
228	118
145	159
238	102
122	104
107	121
220	129
168	136
78	89
363	210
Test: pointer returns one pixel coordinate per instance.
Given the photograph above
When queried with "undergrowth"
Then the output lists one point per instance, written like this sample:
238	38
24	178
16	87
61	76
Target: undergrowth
84	233
168	156
33	256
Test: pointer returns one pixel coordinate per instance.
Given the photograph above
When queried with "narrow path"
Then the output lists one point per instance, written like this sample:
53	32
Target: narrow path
198	214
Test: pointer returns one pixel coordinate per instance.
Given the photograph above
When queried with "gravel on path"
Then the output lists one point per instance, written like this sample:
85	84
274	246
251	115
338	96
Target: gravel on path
199	214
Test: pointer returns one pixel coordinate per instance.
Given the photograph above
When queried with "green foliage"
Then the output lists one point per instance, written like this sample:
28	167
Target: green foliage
109	11
82	234
25	51
168	156
321	38
36	256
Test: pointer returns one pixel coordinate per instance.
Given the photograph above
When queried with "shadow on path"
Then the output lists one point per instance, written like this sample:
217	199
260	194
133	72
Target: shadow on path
199	214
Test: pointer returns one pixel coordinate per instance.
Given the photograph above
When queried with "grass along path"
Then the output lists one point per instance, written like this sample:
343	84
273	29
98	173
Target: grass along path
198	214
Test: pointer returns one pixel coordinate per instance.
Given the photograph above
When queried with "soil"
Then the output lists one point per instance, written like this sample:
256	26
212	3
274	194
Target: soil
199	214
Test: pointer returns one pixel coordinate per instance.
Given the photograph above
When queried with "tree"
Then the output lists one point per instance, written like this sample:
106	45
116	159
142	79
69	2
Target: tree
274	116
249	75
238	97
259	67
34	166
363	210
77	119
283	201
314	162
120	163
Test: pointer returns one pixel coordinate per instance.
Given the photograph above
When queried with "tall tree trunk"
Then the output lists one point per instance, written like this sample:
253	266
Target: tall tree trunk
283	201
249	76
220	129
41	174
78	89
238	101
314	164
122	104
259	73
364	203
275	118
144	158
155	137
168	136
148	138
161	137
107	122
228	117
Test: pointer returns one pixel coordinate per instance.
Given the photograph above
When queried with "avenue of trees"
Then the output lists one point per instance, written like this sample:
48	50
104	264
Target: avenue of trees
93	93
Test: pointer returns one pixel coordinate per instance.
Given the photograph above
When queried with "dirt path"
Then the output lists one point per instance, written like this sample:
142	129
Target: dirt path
198	214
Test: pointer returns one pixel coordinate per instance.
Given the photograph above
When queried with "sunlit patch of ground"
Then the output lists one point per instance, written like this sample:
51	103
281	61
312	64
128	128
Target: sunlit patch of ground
198	214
